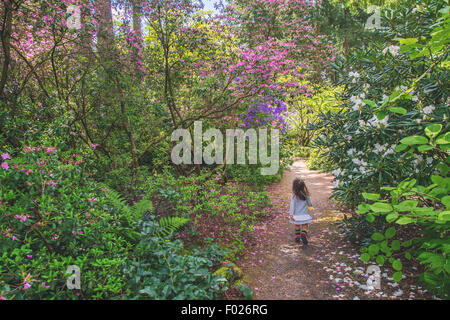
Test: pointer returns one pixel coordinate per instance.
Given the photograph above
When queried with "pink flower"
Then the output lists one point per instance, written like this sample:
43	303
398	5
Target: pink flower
14	238
5	156
43	284
26	286
29	256
5	165
50	150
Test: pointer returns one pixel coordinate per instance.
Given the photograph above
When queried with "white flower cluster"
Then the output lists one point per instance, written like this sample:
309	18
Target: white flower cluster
355	75
392	49
428	109
379	149
351	152
374	122
357	101
359	162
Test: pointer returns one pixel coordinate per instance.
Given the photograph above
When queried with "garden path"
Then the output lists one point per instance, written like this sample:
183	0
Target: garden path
328	267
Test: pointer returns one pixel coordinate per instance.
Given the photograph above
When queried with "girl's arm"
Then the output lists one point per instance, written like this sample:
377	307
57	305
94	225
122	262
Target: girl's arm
292	207
308	201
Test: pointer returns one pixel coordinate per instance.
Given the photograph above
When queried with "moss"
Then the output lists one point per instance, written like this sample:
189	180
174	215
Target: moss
230	272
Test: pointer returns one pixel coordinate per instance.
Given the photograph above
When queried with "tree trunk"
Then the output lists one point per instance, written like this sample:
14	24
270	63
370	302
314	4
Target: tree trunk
5	38
105	33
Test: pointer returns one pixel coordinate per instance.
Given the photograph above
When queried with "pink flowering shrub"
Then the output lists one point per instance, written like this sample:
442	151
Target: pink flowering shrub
51	216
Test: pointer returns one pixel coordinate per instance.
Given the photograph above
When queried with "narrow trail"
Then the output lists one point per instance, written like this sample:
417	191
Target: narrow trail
288	270
328	267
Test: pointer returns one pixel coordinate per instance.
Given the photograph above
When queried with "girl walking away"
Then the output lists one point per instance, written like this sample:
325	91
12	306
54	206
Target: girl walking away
299	215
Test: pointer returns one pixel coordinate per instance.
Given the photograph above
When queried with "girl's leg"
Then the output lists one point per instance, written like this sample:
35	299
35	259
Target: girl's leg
297	232
304	233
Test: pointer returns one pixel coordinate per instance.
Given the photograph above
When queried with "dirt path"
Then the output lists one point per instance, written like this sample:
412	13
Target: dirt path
327	268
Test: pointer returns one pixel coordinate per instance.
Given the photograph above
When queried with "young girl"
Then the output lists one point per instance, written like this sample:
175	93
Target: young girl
299	212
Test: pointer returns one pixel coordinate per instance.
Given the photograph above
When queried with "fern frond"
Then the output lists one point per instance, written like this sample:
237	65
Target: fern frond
140	208
169	224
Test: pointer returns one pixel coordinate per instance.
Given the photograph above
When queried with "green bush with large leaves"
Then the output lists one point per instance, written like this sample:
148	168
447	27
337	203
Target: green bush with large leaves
409	203
390	141
391	92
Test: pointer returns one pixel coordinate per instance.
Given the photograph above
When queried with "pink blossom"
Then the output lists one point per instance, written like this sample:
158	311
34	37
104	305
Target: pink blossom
5	156
5	165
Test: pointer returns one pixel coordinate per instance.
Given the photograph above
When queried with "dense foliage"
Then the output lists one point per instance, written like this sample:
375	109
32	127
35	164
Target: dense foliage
389	143
89	101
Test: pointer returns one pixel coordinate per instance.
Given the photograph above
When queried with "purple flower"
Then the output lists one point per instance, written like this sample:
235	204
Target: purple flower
5	156
29	256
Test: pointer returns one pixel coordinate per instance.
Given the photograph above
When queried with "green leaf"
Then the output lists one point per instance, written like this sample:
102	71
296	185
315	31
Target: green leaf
433	130
443	139
391	217
395	245
377	236
363	208
381	115
438	180
397	276
400	147
370	217
365	257
407	243
380	259
446	201
408	41
381	207
444	216
374	249
398	110
371	196
411	140
404	220
424	147
370	103
397	265
389	233
407	205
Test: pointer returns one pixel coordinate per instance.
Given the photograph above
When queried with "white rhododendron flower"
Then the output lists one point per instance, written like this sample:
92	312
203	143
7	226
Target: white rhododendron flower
351	151
392	49
428	109
357	100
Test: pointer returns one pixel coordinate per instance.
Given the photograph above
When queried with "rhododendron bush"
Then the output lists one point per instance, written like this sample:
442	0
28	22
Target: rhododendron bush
389	144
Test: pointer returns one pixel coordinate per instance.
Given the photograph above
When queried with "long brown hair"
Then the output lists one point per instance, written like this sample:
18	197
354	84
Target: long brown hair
299	189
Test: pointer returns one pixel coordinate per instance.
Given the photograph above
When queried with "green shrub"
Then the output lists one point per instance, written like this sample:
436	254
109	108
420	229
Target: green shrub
319	161
425	206
53	215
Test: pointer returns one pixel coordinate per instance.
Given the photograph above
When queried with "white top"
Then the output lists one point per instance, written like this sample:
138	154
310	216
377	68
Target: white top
299	209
